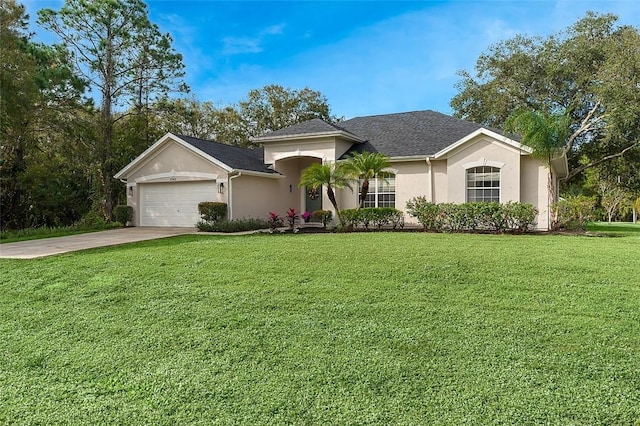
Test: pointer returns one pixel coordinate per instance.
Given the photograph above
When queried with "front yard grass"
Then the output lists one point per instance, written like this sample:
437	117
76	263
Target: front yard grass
363	328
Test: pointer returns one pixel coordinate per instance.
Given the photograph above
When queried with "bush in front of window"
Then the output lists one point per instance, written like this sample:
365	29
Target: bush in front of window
474	216
373	216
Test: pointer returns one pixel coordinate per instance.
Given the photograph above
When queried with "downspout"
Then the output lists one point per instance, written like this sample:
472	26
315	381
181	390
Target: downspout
428	160
230	192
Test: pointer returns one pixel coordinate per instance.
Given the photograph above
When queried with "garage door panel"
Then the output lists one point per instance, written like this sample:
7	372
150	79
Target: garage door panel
173	203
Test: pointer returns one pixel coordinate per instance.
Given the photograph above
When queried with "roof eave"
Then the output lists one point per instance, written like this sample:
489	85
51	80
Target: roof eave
314	135
525	150
274	175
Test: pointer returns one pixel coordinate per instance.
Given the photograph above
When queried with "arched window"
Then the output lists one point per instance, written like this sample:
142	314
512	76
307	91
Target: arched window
483	184
382	191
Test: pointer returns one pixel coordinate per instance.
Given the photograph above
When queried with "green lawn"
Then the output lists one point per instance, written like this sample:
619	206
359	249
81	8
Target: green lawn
615	228
364	328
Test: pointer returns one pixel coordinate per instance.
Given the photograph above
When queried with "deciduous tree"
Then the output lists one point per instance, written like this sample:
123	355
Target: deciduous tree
591	72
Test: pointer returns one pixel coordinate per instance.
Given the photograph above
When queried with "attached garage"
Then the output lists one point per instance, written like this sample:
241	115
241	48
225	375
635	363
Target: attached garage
173	203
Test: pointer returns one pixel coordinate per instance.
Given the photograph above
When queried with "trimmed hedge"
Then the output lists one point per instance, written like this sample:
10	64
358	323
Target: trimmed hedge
212	211
235	225
476	216
373	216
123	214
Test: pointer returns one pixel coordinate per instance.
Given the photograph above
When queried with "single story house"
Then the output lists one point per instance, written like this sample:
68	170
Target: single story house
443	158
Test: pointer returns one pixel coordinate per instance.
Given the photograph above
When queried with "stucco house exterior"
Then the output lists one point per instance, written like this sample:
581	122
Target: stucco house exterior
434	155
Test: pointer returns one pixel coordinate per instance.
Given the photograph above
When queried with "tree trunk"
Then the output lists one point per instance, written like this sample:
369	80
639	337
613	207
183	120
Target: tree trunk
363	192
107	127
334	203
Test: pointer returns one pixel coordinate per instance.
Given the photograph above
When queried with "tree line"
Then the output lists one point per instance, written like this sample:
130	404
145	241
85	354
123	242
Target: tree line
73	113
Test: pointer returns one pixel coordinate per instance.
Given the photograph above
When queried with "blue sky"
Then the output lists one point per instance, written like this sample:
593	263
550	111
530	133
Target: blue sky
366	57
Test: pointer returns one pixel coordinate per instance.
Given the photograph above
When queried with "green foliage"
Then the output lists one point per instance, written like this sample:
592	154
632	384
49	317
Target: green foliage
323	216
545	133
126	59
234	225
366	166
574	212
373	216
123	214
476	216
212	211
430	329
588	74
92	220
331	175
274	107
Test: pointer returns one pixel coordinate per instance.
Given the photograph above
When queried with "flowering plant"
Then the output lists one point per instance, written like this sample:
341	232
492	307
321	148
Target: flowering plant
274	221
306	216
291	217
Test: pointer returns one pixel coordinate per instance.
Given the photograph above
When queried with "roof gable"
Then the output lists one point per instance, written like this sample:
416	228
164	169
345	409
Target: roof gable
227	157
486	132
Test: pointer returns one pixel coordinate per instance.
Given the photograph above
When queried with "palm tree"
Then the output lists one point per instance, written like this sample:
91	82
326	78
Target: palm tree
366	165
545	133
331	175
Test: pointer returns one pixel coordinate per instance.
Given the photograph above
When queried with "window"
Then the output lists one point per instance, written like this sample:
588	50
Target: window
483	184
382	192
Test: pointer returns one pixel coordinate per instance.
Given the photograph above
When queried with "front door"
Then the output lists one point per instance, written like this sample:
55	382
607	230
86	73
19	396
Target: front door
313	199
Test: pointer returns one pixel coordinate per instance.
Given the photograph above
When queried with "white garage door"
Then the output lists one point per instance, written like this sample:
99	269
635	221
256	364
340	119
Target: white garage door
173	203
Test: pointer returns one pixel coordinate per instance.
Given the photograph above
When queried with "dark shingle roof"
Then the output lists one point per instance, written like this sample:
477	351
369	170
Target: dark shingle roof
233	156
313	126
408	133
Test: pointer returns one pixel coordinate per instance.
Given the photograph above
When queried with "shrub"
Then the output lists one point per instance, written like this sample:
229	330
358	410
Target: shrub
274	221
574	212
212	211
123	214
292	217
519	217
476	216
376	216
427	213
235	225
323	216
91	220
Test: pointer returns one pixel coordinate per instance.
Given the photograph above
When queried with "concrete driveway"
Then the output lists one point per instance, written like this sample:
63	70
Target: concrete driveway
50	246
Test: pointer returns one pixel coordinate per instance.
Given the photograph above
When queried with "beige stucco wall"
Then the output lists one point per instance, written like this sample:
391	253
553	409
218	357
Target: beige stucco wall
174	157
440	181
533	188
172	163
324	148
478	152
255	196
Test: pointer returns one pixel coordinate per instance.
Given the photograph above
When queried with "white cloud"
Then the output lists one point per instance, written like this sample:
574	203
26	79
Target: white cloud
239	45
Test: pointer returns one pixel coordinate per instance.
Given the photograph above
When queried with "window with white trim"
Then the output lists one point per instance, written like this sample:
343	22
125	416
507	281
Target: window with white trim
483	184
382	191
